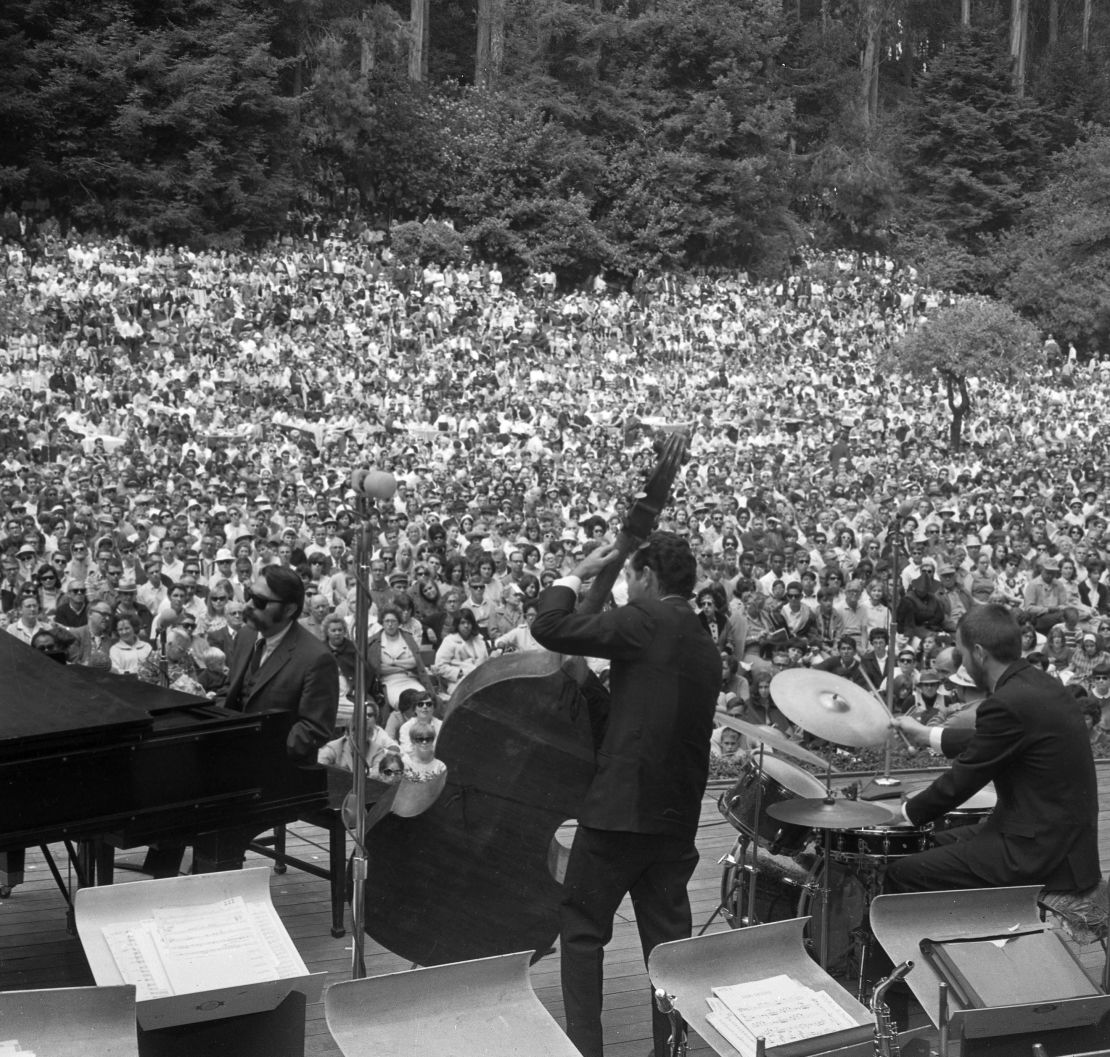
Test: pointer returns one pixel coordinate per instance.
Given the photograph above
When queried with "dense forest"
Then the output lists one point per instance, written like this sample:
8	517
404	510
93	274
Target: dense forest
971	137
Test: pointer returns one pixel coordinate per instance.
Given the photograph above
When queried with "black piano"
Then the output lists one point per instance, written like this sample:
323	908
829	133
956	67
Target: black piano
93	757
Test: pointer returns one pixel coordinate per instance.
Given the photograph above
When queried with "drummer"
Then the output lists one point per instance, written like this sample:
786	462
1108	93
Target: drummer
1030	739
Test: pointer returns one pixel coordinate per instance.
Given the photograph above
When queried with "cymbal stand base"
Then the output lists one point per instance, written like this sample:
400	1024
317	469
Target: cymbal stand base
737	859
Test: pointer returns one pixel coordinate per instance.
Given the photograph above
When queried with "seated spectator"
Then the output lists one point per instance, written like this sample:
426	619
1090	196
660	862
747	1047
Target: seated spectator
423	712
394	656
727	744
128	653
520	639
460	652
340	752
213	675
421	764
1084	660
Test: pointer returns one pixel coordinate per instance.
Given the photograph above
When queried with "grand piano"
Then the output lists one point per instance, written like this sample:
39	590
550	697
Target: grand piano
116	763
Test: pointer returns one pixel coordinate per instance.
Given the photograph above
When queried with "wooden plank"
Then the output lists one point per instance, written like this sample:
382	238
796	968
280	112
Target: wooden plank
36	951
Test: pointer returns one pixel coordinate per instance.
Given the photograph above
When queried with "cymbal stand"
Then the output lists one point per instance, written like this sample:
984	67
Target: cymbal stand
823	895
741	865
823	889
755	840
888	703
737	858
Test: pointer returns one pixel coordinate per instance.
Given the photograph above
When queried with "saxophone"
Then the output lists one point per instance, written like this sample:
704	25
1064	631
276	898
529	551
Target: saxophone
886	1031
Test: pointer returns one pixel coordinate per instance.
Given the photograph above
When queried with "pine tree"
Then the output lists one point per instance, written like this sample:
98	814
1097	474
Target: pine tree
975	151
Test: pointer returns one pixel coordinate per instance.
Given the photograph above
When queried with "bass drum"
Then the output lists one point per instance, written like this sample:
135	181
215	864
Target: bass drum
790	888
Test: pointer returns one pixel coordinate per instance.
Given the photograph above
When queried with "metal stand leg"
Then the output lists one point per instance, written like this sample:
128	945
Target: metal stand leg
737	857
677	1042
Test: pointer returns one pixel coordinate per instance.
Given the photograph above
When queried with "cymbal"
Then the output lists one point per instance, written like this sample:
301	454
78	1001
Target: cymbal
773	739
831	814
831	707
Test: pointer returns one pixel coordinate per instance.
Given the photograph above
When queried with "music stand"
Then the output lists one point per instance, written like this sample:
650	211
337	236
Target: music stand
484	1006
900	922
688	970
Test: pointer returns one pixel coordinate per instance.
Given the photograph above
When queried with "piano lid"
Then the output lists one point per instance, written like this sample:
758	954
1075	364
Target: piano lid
47	705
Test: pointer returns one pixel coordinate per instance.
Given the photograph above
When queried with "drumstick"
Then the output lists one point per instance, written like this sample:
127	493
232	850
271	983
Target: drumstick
871	686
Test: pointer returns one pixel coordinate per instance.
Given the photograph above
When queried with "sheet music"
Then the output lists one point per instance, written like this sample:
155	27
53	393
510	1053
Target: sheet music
137	959
211	946
779	1009
11	1048
183	950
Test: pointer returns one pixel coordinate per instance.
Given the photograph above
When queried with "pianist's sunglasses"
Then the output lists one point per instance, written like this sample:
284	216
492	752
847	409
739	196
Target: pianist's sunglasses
260	601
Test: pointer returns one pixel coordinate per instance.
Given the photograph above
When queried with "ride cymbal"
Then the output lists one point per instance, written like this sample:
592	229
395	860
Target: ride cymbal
831	814
831	707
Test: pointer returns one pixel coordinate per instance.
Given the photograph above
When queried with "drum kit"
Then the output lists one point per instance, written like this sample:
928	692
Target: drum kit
801	851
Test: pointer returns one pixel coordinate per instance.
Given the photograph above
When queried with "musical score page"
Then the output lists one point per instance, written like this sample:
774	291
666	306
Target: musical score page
779	1009
183	950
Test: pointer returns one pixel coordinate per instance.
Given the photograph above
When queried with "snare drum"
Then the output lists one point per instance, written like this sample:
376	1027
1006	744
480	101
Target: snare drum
877	845
779	781
977	808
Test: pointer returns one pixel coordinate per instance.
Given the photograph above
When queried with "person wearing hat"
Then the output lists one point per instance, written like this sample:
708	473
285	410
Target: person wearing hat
928	705
1031	740
953	596
905	681
1090	653
963	700
127	602
1045	597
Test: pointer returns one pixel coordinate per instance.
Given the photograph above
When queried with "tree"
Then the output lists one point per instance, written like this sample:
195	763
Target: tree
975	338
162	121
1056	264
974	152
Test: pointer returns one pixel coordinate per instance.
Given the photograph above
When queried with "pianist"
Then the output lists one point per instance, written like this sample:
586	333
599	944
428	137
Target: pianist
277	664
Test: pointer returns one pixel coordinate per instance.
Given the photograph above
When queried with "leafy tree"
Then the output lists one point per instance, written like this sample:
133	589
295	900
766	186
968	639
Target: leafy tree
974	151
160	121
412	242
976	337
1056	264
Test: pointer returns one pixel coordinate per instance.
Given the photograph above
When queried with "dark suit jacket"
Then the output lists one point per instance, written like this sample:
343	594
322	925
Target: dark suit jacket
300	676
653	759
1029	739
221	639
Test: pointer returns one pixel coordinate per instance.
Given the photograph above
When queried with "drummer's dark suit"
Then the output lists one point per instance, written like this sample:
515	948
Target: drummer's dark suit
1029	739
640	816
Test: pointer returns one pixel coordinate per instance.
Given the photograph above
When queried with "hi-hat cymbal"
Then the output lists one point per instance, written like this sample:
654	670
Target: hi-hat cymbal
831	814
831	707
773	739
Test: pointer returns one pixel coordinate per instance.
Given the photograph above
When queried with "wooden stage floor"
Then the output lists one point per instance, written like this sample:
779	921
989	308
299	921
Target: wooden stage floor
36	951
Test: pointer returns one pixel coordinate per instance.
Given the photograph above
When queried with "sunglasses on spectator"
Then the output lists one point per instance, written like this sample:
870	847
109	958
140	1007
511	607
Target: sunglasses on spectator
392	771
424	739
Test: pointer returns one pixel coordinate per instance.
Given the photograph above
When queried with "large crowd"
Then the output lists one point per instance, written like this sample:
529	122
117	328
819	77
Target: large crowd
171	421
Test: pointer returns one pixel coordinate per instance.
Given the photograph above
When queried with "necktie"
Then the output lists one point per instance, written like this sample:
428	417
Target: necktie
256	654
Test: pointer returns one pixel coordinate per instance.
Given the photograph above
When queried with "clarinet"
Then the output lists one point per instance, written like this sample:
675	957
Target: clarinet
886	1031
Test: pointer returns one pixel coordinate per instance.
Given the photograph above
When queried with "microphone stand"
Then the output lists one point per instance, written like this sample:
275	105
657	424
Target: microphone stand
359	736
885	779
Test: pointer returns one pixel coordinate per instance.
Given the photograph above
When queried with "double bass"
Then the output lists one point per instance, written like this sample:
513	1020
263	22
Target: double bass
477	874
